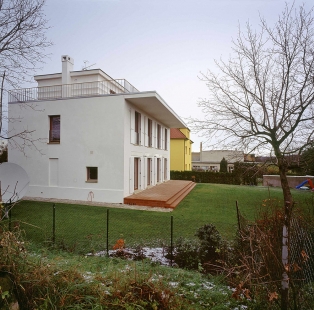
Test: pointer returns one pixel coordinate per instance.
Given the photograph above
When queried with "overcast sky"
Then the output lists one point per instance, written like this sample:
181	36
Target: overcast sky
160	45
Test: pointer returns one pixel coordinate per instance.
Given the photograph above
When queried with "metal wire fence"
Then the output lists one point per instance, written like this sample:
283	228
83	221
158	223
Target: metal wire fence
302	249
301	242
85	229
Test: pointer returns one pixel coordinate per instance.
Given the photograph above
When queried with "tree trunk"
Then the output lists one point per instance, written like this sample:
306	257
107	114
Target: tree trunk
282	165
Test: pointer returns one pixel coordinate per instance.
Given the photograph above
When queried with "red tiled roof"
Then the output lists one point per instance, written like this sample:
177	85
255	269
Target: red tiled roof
175	133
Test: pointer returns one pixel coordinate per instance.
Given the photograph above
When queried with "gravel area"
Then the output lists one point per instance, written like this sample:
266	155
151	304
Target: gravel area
100	204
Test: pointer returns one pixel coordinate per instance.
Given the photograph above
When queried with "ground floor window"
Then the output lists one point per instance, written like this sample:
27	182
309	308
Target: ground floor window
92	174
149	171
158	170
165	169
137	165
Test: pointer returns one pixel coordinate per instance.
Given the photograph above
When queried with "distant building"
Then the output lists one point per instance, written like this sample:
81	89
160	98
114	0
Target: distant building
250	158
180	149
210	160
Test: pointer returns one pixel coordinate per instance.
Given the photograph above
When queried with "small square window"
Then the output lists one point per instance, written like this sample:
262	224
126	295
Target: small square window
92	174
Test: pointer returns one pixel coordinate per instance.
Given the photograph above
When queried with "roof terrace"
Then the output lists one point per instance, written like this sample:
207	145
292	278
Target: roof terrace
86	89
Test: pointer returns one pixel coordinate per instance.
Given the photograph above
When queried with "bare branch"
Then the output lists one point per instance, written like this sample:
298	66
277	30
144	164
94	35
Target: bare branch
263	96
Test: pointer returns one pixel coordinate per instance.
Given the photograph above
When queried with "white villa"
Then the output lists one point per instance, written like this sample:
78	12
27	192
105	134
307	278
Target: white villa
99	139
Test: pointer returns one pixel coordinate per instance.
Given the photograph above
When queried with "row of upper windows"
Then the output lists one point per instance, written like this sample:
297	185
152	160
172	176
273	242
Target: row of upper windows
153	134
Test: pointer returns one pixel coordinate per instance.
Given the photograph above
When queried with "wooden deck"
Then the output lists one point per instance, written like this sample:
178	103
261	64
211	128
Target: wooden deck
164	195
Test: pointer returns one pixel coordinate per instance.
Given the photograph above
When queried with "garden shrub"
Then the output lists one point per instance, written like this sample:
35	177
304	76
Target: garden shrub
206	252
247	173
186	253
210	242
205	177
223	165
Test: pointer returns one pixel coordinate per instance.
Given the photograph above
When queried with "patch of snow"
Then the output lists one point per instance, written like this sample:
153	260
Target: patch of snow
208	285
156	255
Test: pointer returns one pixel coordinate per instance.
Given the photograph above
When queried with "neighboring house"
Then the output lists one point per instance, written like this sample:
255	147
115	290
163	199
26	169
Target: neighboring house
210	160
102	139
181	149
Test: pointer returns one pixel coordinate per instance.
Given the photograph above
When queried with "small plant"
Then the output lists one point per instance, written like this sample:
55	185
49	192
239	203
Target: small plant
119	246
210	243
203	254
186	254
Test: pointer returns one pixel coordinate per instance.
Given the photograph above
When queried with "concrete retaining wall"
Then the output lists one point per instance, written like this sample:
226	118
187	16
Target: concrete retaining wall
274	180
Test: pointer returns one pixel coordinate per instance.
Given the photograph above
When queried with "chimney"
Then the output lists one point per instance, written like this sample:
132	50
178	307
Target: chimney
67	67
201	150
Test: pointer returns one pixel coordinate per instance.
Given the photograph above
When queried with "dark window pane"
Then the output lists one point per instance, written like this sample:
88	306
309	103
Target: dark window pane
92	173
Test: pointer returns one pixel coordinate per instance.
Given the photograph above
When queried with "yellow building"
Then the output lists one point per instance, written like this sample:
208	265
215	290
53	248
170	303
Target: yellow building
180	149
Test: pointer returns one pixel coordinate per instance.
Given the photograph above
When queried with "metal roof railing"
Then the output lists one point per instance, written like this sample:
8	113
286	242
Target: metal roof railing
87	89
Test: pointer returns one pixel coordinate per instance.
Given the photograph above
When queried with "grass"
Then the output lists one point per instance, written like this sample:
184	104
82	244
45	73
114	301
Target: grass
57	279
84	228
102	283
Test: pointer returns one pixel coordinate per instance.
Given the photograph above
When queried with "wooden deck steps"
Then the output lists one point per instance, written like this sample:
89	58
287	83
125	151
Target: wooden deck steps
164	195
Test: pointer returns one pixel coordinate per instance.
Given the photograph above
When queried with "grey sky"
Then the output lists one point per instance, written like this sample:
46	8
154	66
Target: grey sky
156	45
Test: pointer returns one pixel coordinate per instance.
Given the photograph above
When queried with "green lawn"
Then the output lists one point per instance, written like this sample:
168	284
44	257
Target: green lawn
83	228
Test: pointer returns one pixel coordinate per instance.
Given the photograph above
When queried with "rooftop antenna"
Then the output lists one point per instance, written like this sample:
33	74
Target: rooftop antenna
85	67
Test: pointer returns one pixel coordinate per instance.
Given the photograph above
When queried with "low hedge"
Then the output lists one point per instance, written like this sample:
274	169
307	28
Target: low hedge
243	173
206	177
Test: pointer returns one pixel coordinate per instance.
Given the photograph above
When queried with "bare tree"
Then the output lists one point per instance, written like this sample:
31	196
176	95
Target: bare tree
263	96
22	47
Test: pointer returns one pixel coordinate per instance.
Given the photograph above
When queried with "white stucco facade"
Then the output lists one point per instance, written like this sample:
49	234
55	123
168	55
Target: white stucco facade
109	145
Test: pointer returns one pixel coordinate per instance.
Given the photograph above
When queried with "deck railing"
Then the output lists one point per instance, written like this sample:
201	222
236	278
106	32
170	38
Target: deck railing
120	86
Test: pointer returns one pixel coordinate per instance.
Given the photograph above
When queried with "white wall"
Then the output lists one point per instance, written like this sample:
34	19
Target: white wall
217	155
92	131
142	151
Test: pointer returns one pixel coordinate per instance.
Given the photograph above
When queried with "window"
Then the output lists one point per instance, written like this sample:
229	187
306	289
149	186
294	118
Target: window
166	139
137	128
54	129
165	169
150	132
137	165
149	171
158	136
158	170
92	174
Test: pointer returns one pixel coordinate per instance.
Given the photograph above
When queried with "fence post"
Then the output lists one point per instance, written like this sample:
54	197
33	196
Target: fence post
53	223
171	241
10	216
107	236
238	216
285	257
